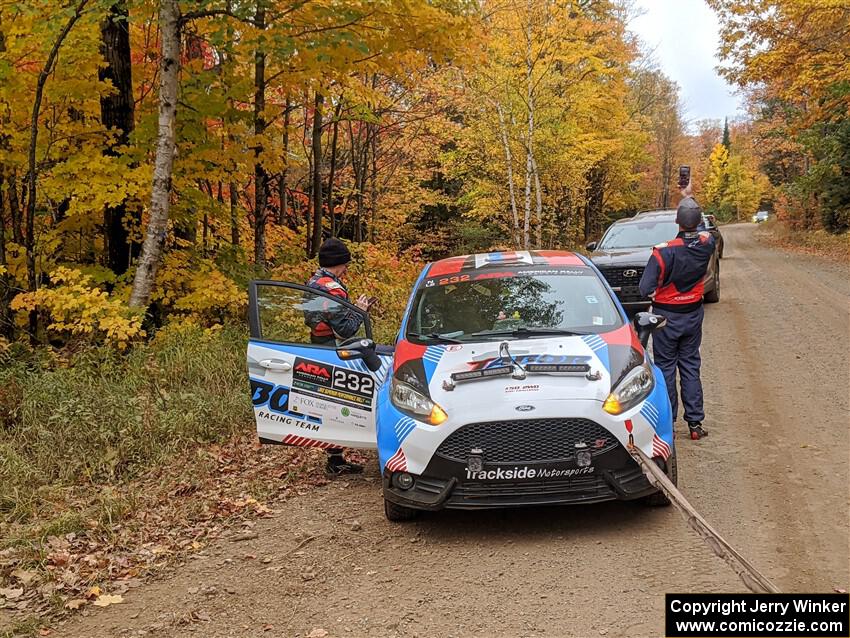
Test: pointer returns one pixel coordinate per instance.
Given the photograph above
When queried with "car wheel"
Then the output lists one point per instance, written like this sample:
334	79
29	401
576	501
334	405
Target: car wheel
398	513
714	295
671	469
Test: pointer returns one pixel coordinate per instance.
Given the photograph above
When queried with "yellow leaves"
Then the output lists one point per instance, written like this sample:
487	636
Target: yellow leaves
78	309
196	289
104	600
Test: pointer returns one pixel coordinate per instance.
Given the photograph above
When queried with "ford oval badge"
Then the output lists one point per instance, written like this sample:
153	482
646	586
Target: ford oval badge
524	408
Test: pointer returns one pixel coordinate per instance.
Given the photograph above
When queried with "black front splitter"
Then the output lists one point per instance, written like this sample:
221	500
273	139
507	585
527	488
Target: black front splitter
443	485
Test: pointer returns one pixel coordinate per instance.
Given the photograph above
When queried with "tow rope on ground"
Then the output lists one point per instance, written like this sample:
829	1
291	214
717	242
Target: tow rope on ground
751	577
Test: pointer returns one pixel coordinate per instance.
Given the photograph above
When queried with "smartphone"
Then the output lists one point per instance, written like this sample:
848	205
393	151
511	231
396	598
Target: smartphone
371	301
684	176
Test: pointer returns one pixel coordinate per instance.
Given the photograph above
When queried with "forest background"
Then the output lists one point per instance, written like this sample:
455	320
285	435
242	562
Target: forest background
157	155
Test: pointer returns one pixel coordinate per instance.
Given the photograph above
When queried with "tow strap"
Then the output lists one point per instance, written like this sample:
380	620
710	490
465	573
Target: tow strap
751	577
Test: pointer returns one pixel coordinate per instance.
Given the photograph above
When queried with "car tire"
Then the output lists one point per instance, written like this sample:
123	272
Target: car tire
714	295
671	469
399	513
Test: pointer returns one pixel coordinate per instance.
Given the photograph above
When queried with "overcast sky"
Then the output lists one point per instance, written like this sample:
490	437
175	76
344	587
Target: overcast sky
684	37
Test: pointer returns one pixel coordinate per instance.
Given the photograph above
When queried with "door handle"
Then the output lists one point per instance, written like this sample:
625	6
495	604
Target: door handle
274	364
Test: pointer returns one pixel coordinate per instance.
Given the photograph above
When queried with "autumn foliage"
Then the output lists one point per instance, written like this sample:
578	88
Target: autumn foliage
792	58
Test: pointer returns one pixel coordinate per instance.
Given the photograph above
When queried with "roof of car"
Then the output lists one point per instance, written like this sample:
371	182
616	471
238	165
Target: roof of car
648	215
504	258
664	212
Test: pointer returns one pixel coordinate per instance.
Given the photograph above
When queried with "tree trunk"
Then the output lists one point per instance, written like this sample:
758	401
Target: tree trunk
14	208
594	199
46	70
234	214
283	192
506	147
261	177
373	186
332	167
7	326
169	18
539	204
117	113
529	148
317	175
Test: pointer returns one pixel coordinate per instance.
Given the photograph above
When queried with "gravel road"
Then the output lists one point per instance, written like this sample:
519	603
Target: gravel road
772	478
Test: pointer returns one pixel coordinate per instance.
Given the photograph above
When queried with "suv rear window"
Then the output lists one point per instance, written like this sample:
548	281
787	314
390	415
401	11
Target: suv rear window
467	307
639	234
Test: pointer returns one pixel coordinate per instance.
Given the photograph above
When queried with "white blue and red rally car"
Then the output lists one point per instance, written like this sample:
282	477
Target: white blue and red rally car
516	379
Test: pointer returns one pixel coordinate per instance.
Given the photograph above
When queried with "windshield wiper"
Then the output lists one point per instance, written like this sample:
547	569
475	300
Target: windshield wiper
528	332
434	337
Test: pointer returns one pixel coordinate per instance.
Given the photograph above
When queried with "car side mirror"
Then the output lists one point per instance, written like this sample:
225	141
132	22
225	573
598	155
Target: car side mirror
361	349
592	245
646	323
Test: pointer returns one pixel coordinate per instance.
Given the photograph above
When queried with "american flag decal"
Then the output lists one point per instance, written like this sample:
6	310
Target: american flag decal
660	448
303	441
398	462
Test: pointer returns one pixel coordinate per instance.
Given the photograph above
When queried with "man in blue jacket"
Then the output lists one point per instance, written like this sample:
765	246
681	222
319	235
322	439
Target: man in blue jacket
673	279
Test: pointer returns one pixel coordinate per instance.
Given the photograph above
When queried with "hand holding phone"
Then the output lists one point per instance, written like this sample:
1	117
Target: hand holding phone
684	176
371	301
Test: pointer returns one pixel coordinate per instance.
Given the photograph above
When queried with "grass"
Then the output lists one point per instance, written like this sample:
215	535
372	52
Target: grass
814	242
114	466
108	418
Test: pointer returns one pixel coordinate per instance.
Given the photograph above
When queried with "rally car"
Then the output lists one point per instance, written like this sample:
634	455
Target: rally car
516	379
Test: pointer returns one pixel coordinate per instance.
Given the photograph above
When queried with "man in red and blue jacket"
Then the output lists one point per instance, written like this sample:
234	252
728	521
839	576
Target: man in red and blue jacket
329	322
332	322
673	279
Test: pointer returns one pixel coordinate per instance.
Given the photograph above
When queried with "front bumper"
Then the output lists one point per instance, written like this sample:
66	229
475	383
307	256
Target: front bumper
445	484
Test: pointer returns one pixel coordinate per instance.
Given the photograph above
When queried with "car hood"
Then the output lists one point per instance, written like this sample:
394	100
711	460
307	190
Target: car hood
621	257
608	357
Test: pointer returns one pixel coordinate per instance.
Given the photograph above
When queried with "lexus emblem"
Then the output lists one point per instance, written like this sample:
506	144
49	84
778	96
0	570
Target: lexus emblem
524	408
631	272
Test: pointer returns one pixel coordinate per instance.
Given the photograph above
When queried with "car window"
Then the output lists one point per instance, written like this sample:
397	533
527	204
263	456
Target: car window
291	315
639	234
508	301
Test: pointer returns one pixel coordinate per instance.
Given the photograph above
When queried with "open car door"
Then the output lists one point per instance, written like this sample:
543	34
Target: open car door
308	394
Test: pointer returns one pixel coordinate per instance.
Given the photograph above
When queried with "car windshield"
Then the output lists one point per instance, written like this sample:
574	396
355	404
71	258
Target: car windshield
639	234
491	306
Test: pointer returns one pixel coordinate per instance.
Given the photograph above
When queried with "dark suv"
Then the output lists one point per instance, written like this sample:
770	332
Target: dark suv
626	246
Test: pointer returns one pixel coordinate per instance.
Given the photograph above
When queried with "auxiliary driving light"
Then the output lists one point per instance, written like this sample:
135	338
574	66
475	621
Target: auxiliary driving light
404	481
583	458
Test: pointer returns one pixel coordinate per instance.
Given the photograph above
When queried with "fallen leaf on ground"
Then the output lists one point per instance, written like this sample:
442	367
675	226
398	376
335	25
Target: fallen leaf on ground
318	632
75	603
11	594
24	576
93	592
105	600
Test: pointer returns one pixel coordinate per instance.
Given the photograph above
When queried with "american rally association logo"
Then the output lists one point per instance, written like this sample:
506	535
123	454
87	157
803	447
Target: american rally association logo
312	371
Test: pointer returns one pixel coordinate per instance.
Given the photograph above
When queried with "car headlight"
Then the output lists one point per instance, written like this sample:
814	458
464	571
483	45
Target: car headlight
410	401
634	388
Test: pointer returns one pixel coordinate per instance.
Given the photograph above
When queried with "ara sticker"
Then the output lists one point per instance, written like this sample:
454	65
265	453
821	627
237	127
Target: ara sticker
597	321
591	299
